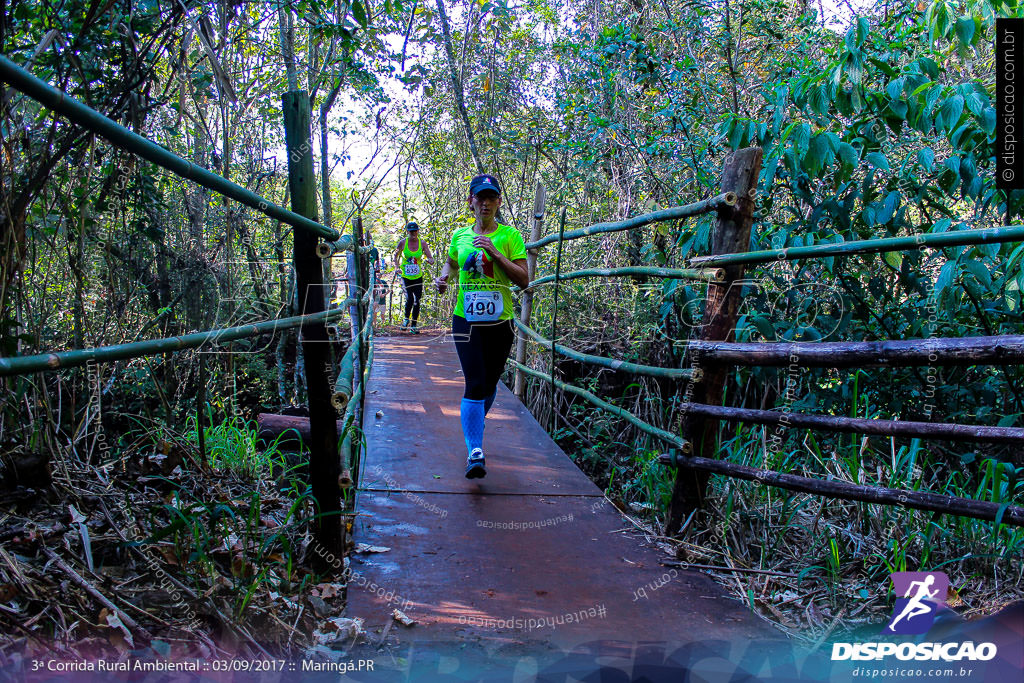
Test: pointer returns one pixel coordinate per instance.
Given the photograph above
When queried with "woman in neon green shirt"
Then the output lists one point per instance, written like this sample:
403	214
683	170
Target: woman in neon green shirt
488	258
409	263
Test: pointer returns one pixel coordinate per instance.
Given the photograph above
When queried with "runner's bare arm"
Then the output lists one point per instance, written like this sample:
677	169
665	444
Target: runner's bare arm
441	281
516	270
398	254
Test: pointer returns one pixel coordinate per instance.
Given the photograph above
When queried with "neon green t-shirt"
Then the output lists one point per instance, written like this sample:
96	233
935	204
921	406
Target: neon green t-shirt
412	264
484	293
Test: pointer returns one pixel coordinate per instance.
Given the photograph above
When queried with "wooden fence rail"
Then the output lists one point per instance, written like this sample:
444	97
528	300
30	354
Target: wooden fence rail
724	200
930	240
938	351
58	360
699	274
611	363
118	135
919	500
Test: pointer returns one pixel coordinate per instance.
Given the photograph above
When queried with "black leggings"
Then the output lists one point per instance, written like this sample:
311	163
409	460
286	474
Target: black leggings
413	294
483	349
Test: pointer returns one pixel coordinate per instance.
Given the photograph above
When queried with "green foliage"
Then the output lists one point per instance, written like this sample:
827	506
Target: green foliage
233	445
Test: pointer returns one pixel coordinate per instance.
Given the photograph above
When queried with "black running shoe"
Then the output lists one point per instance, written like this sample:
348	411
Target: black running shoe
475	465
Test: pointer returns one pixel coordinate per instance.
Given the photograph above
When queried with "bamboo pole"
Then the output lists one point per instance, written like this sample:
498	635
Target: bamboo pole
612	363
118	135
938	240
346	371
700	274
726	199
350	450
327	249
201	408
539	200
918	500
833	423
938	351
45	362
681	443
353	403
324	465
554	318
721	311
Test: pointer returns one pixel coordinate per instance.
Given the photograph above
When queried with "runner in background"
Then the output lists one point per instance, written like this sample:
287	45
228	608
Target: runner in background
489	258
409	257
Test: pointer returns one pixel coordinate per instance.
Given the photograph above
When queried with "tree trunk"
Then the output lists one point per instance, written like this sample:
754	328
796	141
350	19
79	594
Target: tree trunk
287	35
457	86
732	233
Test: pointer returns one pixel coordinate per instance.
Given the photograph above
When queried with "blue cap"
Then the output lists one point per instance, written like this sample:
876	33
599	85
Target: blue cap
483	182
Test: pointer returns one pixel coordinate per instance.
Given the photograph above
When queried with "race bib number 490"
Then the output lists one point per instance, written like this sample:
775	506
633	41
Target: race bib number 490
483	306
412	270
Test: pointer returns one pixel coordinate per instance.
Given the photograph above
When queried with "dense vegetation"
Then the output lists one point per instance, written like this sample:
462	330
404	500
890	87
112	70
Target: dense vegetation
876	124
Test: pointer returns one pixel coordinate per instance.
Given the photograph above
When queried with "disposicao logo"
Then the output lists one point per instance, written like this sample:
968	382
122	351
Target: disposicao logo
922	594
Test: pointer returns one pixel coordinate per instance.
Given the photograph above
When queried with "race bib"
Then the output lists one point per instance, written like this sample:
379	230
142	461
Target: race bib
483	306
412	270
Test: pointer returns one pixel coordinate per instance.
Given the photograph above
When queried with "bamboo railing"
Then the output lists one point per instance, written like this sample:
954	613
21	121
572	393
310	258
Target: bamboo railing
726	199
699	274
59	360
929	240
118	135
611	363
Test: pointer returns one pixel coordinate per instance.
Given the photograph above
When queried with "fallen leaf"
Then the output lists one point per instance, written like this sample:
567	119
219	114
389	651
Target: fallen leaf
113	621
241	568
367	548
327	590
402	618
273	595
76	516
319	606
79	520
338	629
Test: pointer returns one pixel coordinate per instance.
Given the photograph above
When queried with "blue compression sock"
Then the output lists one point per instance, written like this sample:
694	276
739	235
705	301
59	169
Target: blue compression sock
489	401
473	423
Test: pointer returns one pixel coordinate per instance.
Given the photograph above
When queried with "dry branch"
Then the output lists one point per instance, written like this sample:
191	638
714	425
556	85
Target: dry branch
91	590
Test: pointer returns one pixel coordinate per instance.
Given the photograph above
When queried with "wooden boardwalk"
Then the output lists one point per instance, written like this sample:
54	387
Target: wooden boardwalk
530	562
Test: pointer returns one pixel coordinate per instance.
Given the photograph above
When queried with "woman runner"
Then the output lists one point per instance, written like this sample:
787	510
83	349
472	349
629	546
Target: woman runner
489	257
408	261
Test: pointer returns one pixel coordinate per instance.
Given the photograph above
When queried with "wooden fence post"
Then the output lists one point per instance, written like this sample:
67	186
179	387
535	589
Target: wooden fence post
324	464
531	268
732	234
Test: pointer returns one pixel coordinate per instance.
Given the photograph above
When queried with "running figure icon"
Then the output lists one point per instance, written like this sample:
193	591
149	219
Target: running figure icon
923	593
